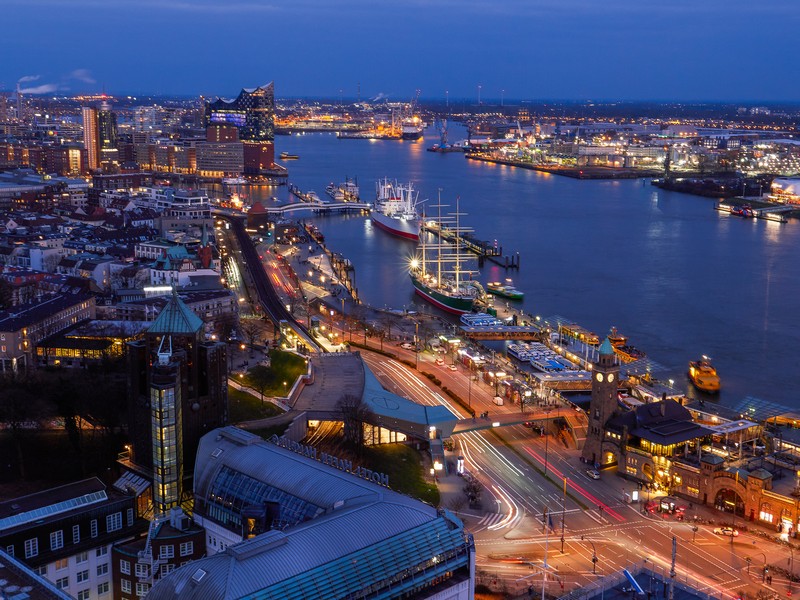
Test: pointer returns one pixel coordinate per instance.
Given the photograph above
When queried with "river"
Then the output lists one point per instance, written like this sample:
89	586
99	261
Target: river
677	277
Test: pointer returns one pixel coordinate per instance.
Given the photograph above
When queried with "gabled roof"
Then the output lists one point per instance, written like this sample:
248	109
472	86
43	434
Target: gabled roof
176	317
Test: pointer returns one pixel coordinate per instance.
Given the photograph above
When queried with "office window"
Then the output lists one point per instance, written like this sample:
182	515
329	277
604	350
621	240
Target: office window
83	595
61	564
187	548
62	583
167	551
76	534
167	569
41	571
82	557
57	540
126	586
102	588
31	547
142	589
141	570
102	569
125	567
130	517
83	576
114	522
101	551
10	550
93	528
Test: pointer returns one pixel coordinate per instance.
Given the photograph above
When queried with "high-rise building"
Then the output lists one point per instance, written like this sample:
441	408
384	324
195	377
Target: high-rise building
253	114
107	134
91	139
177	391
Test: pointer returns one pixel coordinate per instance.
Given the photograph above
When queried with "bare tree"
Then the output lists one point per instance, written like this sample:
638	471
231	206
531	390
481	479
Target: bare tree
21	409
252	330
354	414
260	377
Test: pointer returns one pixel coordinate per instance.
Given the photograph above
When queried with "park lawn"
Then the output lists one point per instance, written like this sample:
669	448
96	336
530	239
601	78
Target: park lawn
246	407
402	465
279	377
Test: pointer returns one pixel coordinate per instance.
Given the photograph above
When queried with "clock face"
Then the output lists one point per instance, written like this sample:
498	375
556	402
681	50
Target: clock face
610	377
599	377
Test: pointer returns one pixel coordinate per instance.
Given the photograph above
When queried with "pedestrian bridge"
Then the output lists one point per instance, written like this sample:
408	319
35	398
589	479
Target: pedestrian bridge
321	207
576	420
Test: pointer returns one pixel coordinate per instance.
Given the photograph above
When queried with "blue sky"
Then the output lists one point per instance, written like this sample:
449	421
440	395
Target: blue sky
532	49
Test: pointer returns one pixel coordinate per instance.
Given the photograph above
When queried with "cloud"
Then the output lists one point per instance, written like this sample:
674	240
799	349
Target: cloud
47	88
83	75
25	78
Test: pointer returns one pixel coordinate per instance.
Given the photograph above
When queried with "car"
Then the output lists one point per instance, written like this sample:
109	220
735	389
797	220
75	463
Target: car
593	473
452	367
439	361
407	346
726	531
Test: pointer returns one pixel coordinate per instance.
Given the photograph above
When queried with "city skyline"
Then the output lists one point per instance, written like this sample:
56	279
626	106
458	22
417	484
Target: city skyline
572	49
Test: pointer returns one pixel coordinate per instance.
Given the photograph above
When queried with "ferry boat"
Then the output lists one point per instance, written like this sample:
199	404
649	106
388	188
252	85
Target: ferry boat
625	351
745	210
704	376
438	277
505	290
288	156
396	210
334	192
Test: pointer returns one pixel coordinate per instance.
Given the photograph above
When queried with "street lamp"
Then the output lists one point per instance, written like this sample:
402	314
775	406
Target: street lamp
563	510
594	557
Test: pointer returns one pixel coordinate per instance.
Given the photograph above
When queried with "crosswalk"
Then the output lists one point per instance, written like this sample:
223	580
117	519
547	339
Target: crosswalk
495	521
490	519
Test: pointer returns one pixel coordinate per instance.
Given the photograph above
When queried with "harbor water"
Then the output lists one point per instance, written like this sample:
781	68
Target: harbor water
677	277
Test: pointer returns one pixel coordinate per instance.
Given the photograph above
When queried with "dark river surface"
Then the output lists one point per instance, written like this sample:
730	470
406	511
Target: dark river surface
677	277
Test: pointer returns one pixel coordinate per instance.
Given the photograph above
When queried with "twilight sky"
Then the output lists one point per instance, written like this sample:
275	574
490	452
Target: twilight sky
532	49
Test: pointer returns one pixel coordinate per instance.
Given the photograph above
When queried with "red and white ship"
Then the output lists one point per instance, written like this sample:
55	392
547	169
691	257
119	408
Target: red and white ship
396	210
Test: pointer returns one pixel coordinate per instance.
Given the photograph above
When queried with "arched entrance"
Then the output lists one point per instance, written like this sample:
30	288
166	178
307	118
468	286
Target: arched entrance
728	500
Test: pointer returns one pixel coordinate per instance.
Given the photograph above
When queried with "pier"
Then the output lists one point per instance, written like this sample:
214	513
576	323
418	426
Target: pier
768	213
503	332
484	250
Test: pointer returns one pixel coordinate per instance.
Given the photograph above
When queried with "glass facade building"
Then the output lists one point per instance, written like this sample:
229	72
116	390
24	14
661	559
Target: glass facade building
252	113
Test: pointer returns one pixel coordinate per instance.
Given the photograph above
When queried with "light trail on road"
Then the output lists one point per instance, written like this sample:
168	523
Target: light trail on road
571	483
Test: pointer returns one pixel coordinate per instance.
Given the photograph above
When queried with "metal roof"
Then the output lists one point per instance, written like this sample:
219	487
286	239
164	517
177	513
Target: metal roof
301	477
176	317
367	538
386	404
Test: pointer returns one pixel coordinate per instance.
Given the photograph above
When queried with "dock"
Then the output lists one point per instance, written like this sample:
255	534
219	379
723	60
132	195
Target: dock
484	250
318	205
768	213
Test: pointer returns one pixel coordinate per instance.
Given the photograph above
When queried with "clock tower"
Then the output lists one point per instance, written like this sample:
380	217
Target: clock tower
603	405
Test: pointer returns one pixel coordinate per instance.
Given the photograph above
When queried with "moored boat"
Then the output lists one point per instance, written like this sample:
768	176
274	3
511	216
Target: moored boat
505	290
704	376
438	277
625	351
396	210
288	156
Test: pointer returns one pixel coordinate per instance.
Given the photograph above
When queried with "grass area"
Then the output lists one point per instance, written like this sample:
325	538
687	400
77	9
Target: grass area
245	407
285	368
402	465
